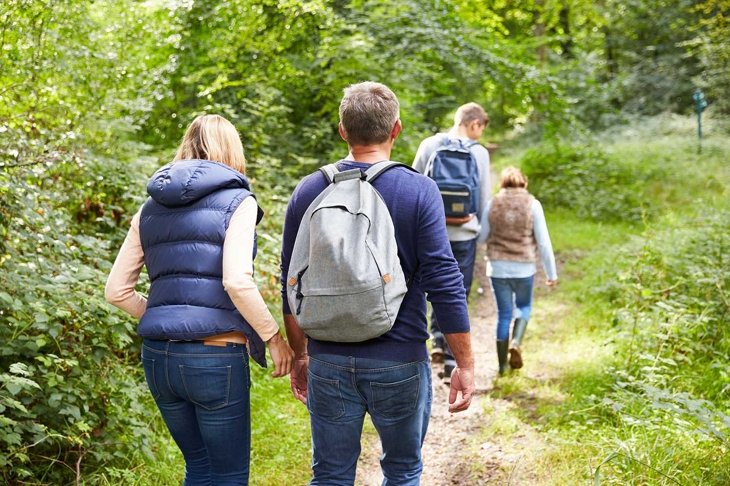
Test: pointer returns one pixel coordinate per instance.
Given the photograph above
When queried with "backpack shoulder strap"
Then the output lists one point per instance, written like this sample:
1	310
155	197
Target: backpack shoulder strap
329	172
374	172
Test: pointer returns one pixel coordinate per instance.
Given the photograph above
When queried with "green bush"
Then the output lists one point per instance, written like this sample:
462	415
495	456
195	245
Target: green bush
585	179
670	383
675	304
71	395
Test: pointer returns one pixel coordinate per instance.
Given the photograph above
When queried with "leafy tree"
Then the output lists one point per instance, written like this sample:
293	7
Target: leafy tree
77	79
712	48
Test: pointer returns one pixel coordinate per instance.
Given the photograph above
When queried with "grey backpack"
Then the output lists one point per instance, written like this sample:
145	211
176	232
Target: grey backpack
345	281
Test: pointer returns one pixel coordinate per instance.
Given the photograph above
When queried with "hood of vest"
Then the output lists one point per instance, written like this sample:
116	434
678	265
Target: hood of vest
183	182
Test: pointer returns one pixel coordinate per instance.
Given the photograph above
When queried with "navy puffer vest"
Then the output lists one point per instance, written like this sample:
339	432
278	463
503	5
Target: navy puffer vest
182	228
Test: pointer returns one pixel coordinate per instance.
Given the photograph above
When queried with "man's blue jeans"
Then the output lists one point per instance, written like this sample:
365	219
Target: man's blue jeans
465	254
396	395
203	395
510	293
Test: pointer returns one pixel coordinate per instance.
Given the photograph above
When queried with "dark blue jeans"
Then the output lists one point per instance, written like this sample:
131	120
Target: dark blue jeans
203	395
465	253
396	395
508	294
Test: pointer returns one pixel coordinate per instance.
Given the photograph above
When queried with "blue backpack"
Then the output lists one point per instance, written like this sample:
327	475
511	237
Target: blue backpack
456	173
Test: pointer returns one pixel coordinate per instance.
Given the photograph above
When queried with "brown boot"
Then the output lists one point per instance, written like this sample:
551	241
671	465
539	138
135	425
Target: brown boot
515	355
515	358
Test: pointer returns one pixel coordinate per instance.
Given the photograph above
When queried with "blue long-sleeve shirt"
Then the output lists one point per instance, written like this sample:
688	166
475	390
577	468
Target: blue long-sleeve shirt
425	254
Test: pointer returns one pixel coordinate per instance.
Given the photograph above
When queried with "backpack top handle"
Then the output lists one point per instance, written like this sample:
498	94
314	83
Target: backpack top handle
347	175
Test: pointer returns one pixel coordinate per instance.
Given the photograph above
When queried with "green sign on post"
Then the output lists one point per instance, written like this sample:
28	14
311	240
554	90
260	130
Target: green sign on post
700	105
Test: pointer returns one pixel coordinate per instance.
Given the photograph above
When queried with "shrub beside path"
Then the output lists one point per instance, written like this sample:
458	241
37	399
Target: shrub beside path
458	448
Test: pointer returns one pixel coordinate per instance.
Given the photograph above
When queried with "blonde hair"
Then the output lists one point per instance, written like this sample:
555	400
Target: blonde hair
512	177
212	137
471	112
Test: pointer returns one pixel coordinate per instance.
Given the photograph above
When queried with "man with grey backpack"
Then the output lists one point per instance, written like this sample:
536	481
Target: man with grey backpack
364	243
459	165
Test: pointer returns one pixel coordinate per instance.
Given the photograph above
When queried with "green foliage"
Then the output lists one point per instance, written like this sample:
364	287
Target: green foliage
583	178
72	394
675	299
671	382
279	74
712	49
77	80
646	68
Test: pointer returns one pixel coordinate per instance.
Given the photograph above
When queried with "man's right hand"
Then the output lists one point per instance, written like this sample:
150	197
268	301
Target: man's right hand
462	380
298	378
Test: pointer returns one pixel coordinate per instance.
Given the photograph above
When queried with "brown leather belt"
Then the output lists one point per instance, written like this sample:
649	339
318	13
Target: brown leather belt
221	344
223	339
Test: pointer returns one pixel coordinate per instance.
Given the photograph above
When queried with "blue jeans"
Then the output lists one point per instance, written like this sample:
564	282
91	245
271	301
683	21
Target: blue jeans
510	293
465	253
203	395
396	395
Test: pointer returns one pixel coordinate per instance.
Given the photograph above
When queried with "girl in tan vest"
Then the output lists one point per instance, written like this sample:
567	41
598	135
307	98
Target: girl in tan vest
515	231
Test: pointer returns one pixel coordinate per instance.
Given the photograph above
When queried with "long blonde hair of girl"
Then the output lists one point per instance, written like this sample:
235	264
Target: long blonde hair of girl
212	137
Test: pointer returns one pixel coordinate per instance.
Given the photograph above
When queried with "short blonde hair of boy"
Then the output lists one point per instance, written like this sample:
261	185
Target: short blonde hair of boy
212	137
470	112
512	177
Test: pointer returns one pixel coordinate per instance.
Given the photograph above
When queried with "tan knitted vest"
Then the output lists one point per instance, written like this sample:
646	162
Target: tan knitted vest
511	234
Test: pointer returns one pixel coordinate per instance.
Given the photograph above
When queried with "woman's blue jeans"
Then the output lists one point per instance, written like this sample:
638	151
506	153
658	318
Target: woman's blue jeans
508	294
398	398
203	395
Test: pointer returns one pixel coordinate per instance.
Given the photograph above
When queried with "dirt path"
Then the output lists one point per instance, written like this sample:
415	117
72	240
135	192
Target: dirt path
457	449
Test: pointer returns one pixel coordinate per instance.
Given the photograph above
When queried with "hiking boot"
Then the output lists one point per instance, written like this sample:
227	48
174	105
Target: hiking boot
445	375
502	356
515	358
515	354
437	354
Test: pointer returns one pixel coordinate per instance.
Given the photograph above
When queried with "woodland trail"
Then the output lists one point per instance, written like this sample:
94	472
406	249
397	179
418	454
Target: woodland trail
458	449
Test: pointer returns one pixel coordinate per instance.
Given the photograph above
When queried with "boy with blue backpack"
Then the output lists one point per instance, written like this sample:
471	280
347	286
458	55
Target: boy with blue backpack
459	165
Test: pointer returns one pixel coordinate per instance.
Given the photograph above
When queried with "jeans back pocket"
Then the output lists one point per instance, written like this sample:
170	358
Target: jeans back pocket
397	399
324	398
208	387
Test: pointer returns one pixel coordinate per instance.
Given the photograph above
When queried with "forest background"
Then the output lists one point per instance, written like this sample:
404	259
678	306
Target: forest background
593	99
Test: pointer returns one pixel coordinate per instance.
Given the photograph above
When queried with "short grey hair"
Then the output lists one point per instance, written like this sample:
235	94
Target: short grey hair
368	112
471	112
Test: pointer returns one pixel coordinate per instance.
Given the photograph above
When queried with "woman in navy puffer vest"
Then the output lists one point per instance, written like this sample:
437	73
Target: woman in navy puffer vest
204	314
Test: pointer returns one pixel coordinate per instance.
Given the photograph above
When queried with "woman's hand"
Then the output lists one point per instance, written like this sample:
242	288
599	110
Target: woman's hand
281	354
551	283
